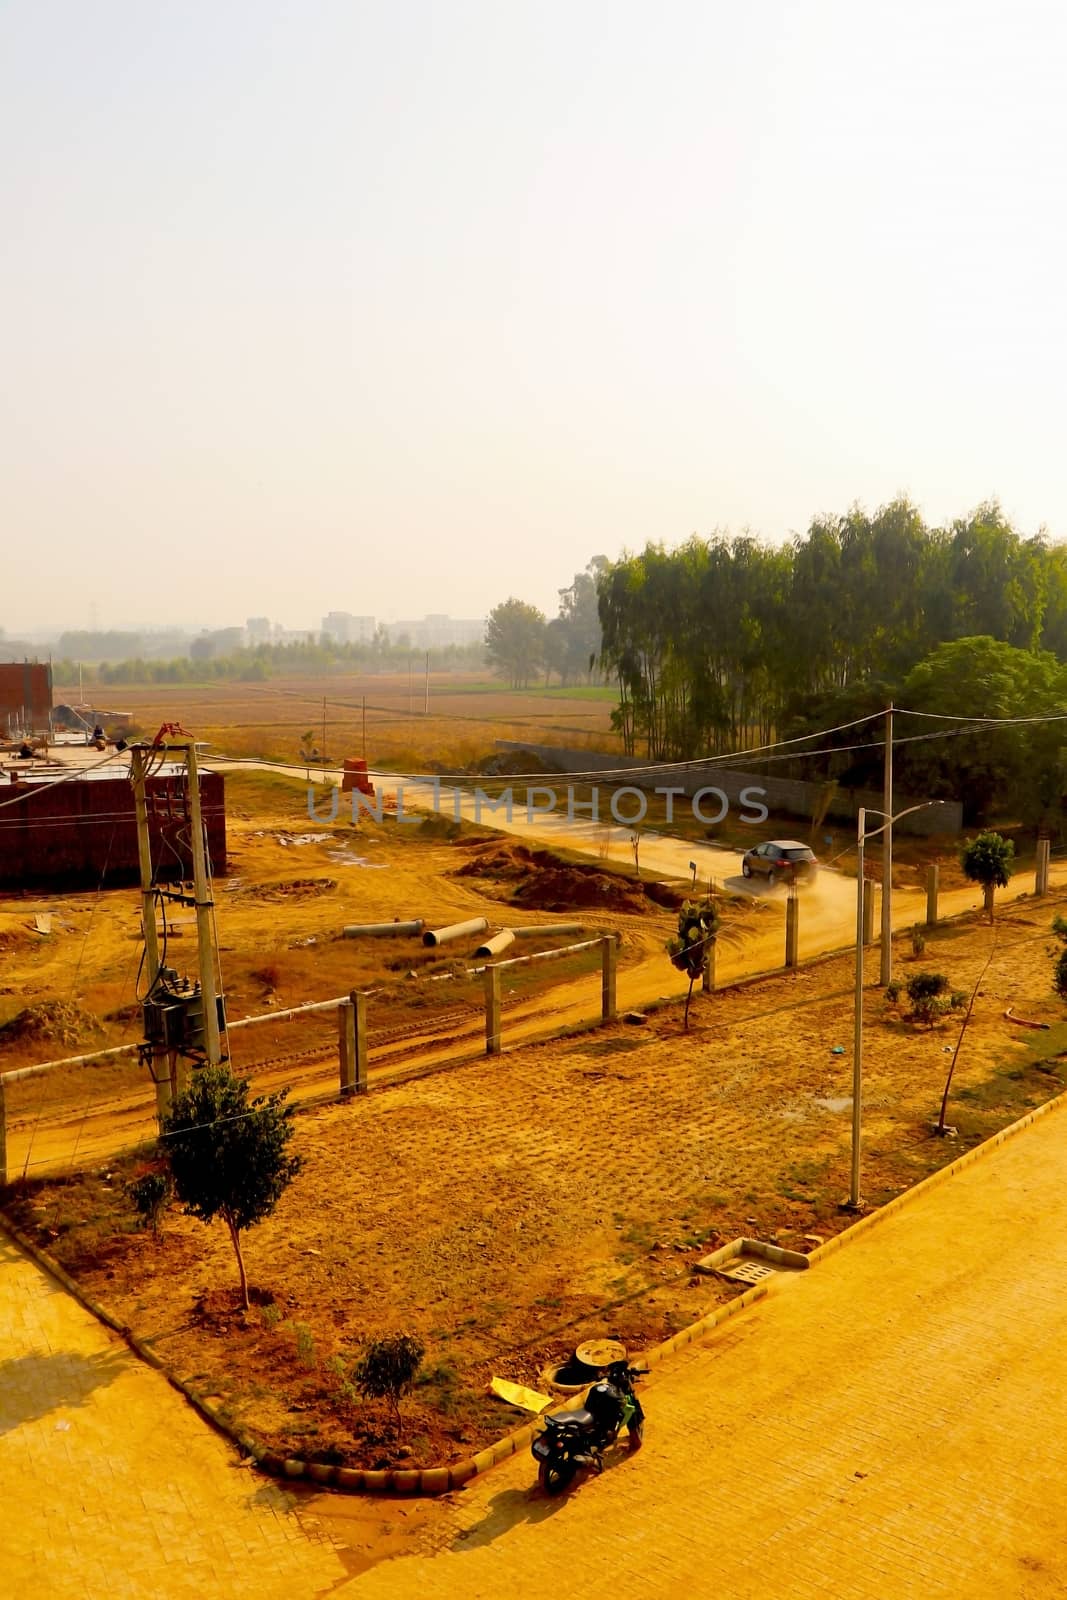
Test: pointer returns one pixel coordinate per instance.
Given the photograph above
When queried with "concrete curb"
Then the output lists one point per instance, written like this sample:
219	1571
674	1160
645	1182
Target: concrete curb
849	1235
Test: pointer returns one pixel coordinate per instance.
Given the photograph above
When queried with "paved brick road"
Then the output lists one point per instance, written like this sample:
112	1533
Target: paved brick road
889	1425
892	1424
111	1487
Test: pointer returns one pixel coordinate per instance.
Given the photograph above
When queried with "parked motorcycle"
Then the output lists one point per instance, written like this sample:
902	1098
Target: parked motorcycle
575	1439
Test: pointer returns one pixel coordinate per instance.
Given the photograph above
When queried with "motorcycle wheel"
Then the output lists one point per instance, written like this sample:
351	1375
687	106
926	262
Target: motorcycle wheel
554	1476
746	869
635	1434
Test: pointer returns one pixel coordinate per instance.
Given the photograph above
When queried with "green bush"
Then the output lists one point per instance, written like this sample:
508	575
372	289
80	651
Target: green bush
926	996
149	1196
388	1368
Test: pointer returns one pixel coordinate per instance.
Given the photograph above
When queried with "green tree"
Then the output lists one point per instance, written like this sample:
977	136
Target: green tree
228	1156
515	641
987	860
388	1368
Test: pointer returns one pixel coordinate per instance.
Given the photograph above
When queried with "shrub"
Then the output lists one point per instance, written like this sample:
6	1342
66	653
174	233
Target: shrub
305	1346
388	1368
149	1195
1059	971
925	991
918	940
892	992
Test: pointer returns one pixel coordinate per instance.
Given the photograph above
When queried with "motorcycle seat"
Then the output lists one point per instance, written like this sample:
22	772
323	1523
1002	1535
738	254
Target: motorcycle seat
571	1419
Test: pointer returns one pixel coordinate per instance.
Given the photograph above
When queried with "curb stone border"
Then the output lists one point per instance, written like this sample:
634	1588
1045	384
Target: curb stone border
439	1480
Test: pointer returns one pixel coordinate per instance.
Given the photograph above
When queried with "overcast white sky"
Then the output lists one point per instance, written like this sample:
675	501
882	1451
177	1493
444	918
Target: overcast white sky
407	307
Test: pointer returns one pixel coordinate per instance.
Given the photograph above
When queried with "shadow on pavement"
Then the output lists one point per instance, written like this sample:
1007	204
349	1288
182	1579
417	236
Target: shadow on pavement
31	1386
512	1506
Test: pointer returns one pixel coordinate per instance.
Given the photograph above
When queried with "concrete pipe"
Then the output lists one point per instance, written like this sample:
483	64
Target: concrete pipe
494	946
547	930
384	930
456	930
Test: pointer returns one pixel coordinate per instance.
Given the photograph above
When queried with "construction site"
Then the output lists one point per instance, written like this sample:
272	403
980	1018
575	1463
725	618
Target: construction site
514	1135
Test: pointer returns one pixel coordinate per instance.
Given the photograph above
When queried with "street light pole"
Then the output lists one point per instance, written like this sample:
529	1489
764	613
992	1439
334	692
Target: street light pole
857	1022
886	966
853	1203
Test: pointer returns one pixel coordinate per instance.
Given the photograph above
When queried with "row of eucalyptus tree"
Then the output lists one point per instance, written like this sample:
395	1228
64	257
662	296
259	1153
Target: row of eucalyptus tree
727	641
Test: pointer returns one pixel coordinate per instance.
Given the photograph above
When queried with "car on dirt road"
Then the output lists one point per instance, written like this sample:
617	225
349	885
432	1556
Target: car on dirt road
780	861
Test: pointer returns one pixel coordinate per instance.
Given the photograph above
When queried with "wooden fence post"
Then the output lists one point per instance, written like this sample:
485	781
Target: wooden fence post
359	1002
609	965
492	1011
707	975
3	1132
792	931
1041	874
933	881
346	1047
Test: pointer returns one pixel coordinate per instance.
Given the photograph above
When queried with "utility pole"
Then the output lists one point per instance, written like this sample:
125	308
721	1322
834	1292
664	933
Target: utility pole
426	704
364	727
138	773
204	905
886	972
324	738
161	1078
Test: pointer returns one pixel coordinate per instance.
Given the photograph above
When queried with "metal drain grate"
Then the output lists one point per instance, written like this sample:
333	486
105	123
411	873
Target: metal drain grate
748	1272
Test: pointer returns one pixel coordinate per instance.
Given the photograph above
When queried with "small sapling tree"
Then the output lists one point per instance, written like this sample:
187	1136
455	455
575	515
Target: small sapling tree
987	860
698	923
388	1368
227	1156
149	1195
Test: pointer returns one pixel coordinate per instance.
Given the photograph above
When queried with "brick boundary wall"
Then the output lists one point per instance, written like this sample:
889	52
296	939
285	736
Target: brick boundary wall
790	795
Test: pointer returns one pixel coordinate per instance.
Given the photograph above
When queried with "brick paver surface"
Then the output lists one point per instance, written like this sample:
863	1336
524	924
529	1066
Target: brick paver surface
890	1424
111	1488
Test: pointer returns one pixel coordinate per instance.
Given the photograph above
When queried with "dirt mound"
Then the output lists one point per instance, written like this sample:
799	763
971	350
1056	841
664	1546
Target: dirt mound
505	862
60	1020
514	763
545	882
564	888
292	889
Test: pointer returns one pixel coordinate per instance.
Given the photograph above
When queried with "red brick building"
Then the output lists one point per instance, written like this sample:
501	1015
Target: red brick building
25	697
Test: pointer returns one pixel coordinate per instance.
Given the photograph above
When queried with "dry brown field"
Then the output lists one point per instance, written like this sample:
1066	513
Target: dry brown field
505	1208
466	715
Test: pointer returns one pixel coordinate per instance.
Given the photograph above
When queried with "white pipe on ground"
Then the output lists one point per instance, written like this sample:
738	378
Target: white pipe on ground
455	930
383	930
545	930
493	947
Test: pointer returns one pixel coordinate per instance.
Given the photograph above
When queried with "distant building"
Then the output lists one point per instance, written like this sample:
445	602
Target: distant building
216	642
435	631
344	628
83	832
25	697
258	630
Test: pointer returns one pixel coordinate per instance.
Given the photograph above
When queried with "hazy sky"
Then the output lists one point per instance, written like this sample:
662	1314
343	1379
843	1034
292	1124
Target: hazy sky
405	307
